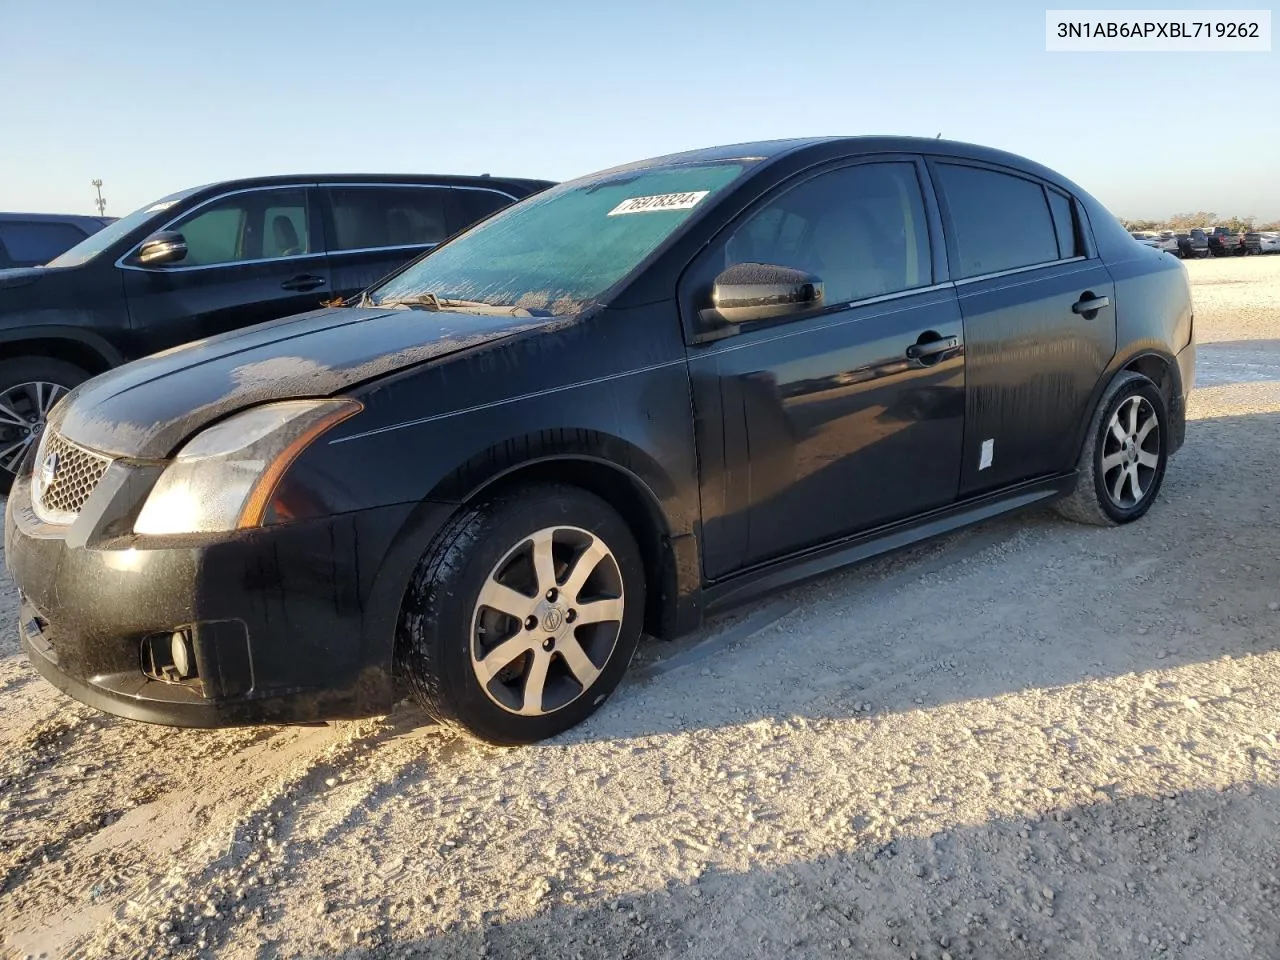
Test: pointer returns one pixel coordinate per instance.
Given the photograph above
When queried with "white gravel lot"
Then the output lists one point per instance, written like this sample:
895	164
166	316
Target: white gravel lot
1032	739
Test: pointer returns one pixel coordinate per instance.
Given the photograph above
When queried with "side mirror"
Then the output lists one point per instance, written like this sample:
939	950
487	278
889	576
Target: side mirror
761	291
167	246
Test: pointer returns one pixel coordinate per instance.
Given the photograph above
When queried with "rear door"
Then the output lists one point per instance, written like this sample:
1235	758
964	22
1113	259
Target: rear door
819	426
252	255
374	229
1039	320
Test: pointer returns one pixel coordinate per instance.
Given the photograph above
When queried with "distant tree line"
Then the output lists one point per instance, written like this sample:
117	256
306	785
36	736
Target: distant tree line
1182	222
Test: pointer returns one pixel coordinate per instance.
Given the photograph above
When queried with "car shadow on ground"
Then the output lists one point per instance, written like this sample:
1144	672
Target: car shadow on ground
1189	874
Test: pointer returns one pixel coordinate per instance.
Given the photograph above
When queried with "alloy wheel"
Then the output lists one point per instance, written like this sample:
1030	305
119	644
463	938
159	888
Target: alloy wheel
546	621
24	411
1131	452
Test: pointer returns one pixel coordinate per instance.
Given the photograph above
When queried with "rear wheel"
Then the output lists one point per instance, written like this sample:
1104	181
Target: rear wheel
29	388
1125	452
523	615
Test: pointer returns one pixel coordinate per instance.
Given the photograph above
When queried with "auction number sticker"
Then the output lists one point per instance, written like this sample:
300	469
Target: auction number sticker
662	201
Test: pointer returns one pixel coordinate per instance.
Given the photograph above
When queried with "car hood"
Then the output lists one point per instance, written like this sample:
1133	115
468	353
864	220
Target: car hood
20	276
147	408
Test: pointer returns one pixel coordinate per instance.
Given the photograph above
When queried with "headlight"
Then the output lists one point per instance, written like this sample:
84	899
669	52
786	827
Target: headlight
223	477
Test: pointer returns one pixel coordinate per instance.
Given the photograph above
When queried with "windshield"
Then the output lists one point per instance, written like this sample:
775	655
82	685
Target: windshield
557	251
91	246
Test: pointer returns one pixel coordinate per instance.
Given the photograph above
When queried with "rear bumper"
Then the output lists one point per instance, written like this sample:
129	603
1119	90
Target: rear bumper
1178	404
286	624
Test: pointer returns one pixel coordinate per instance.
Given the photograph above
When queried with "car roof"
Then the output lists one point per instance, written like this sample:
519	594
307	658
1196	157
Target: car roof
55	217
442	179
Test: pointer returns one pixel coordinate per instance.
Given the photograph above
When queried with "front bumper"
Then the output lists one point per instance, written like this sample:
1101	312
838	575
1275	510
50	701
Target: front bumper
288	624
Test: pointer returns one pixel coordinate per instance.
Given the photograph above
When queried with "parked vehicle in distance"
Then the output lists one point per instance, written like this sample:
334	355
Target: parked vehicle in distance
635	399
1225	242
208	260
33	239
1146	239
1256	242
1167	242
1194	244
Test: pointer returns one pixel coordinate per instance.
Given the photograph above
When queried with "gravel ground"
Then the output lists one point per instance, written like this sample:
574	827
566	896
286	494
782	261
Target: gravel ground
1029	739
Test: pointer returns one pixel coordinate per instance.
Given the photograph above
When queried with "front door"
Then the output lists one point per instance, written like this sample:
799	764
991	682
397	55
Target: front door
1039	321
815	428
252	256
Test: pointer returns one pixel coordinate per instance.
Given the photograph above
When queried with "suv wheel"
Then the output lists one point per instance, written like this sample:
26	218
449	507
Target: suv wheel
523	615
1123	461
29	388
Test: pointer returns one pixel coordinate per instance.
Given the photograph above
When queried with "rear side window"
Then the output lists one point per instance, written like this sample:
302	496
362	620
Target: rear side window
32	244
1064	222
474	205
373	217
998	221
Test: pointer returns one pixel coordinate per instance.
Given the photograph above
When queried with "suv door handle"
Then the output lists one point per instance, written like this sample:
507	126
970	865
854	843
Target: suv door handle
304	282
1088	304
930	347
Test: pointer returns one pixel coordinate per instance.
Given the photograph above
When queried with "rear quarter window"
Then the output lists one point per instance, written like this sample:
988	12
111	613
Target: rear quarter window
998	221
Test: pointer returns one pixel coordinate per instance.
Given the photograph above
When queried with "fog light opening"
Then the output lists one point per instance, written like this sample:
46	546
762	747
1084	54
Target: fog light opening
184	665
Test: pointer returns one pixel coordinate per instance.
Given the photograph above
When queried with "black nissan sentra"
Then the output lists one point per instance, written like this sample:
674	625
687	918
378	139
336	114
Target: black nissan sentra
616	407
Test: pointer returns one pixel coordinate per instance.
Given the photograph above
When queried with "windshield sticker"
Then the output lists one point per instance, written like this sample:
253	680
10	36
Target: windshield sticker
663	201
162	205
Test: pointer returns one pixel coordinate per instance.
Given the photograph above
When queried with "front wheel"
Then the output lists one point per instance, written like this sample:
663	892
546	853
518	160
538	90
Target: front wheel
523	615
1125	452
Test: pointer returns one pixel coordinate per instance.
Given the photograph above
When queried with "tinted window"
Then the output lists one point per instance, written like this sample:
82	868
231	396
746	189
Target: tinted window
474	205
861	229
254	225
998	221
32	244
372	217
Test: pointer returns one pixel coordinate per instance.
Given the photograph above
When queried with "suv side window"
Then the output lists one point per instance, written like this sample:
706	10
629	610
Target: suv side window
366	218
475	205
861	229
998	221
31	244
254	225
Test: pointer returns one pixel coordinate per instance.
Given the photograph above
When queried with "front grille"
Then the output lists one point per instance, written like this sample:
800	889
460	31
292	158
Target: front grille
64	477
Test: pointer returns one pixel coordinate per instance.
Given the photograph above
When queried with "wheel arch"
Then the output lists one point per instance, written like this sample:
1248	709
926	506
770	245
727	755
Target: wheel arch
1157	366
83	348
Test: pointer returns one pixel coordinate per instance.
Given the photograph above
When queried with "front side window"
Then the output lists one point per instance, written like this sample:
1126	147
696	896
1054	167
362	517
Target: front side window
998	221
369	218
557	251
860	229
254	225
31	243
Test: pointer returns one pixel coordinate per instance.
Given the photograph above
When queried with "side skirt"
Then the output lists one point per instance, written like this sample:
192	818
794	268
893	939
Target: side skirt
754	582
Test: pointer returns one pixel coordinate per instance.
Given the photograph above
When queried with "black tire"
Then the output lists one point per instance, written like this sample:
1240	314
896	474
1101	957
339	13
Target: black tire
1091	501
436	636
24	370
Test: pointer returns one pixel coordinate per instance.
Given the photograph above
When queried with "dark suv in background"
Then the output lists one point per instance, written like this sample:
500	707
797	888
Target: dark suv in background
33	239
211	259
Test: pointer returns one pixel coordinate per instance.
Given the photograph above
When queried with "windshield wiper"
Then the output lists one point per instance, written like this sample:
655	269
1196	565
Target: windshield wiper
434	303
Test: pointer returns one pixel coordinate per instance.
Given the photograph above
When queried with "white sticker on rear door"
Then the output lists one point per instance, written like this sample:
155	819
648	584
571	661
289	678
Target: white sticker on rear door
663	201
987	455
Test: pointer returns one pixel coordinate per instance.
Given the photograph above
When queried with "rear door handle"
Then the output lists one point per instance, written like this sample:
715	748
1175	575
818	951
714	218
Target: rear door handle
918	350
1092	305
304	282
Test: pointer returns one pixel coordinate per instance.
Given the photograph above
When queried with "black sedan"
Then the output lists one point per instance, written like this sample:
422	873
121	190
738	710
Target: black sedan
616	407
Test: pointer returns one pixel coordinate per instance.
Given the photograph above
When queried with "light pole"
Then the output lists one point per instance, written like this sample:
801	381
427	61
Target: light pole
102	204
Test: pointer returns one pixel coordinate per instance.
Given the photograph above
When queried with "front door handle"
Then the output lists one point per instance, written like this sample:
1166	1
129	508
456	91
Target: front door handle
927	349
1089	304
303	282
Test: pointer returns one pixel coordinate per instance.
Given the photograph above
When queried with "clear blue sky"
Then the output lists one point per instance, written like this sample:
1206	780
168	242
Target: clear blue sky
153	97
